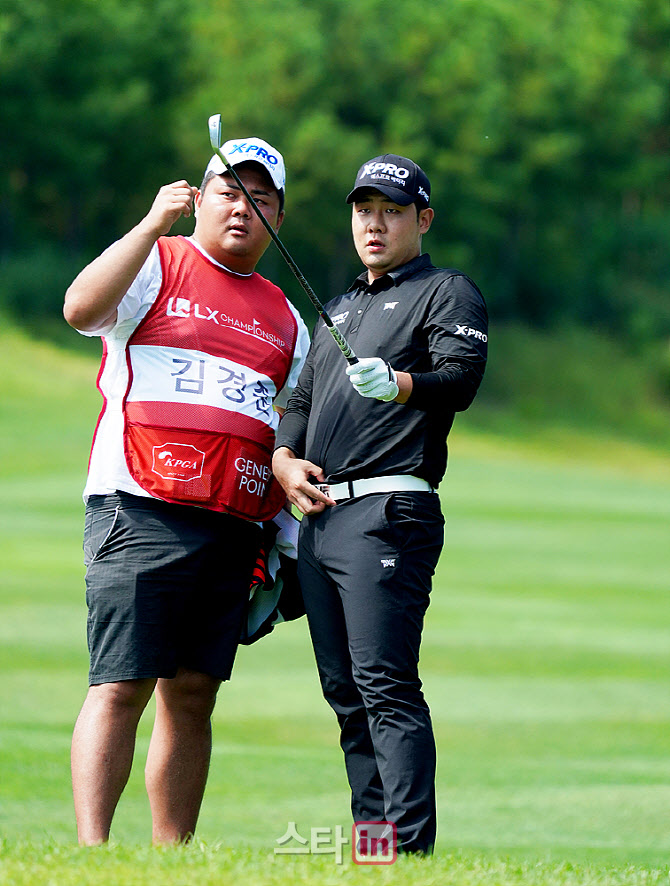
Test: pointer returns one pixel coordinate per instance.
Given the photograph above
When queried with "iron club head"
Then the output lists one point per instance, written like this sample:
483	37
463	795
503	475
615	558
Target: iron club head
215	131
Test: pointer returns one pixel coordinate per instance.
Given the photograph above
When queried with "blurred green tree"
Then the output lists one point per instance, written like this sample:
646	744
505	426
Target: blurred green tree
544	126
88	92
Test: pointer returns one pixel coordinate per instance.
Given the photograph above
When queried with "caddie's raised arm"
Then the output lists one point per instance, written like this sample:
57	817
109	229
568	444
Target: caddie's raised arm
95	294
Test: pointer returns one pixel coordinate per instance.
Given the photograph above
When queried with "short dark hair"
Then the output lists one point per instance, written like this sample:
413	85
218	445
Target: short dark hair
206	180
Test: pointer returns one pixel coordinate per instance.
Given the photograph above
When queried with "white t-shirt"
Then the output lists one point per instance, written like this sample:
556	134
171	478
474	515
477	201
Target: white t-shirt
107	471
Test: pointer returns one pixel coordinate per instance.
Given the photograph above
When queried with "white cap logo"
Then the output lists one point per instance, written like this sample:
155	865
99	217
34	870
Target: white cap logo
238	151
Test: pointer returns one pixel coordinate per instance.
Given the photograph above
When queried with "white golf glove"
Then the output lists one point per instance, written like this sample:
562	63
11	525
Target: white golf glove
373	377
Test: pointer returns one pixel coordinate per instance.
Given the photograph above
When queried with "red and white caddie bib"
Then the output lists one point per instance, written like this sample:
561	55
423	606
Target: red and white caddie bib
205	365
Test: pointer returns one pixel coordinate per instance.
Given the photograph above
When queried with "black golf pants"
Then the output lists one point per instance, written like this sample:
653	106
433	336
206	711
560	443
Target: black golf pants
365	568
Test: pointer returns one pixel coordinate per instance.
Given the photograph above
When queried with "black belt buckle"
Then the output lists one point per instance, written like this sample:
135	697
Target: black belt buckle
324	488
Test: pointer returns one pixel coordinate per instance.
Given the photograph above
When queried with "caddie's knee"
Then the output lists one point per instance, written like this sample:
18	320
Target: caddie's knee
124	696
190	694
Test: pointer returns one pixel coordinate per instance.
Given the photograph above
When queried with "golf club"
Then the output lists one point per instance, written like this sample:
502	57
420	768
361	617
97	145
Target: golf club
215	140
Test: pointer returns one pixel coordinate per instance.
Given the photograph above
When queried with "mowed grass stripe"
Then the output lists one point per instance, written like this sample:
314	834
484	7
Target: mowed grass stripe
545	661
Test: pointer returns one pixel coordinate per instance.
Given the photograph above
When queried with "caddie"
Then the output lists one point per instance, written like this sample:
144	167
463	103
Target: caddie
361	451
199	352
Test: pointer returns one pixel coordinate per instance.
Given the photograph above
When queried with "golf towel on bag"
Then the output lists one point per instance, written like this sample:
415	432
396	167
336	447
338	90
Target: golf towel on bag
198	417
275	594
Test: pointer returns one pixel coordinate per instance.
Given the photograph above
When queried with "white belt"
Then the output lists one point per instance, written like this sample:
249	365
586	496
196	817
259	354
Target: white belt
356	488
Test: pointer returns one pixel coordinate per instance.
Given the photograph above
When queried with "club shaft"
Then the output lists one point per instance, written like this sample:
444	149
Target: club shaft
341	342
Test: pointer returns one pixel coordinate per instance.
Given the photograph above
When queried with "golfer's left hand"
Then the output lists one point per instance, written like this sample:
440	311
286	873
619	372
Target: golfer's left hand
373	377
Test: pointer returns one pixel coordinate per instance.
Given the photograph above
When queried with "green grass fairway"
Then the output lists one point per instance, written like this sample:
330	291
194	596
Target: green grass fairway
546	662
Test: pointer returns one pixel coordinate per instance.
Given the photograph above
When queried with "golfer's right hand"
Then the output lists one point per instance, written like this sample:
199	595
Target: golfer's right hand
297	476
171	202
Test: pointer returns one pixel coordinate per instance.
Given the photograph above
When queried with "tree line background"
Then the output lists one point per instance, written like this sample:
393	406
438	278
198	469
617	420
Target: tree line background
544	126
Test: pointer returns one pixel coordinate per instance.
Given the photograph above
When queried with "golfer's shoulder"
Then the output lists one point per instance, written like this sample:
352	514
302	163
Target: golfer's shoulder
439	275
451	283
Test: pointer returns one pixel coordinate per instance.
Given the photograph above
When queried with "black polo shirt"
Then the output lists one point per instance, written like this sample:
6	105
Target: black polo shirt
428	321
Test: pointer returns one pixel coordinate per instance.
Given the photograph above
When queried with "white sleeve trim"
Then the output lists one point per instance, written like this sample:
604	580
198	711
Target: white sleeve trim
135	304
299	355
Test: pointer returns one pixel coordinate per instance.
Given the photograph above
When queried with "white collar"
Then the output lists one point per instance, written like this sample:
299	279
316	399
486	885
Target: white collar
217	263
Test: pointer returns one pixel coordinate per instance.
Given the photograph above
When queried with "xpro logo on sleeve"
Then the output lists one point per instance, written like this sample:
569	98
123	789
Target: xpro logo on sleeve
469	332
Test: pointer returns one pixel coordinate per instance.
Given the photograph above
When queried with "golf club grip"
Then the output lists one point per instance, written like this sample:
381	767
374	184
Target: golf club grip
342	343
309	292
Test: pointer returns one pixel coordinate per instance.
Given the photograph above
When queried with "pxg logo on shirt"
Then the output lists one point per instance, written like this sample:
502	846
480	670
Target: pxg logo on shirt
178	461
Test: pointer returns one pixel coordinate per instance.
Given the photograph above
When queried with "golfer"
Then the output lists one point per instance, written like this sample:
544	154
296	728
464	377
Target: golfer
374	436
199	351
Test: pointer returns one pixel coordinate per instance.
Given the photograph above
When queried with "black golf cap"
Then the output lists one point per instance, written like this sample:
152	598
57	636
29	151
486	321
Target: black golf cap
396	177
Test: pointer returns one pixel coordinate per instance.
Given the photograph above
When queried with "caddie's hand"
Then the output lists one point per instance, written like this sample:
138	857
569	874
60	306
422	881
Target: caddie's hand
373	377
296	476
171	202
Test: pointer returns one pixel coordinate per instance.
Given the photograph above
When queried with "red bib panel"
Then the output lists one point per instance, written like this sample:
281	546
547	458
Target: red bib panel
205	365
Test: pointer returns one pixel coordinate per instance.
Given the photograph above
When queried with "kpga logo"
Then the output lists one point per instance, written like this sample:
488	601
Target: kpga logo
374	842
178	461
